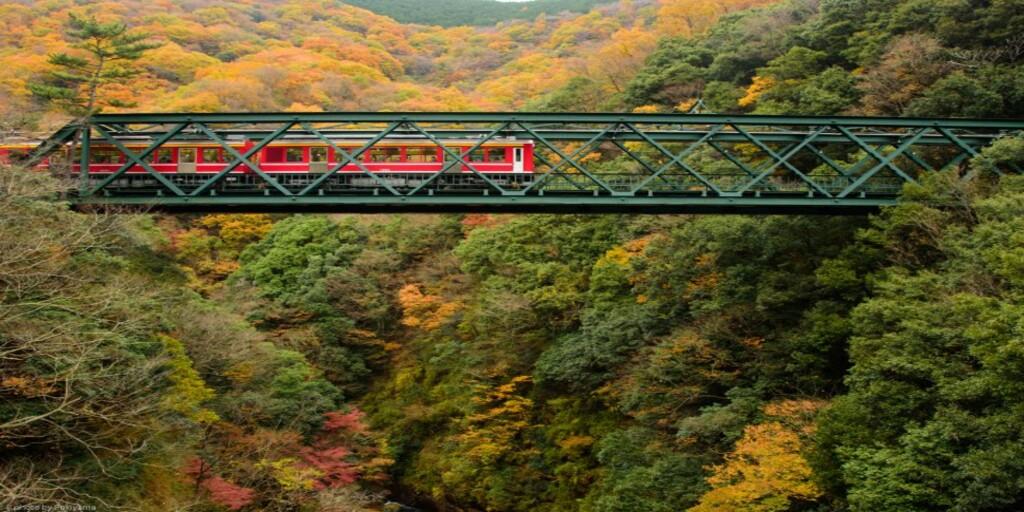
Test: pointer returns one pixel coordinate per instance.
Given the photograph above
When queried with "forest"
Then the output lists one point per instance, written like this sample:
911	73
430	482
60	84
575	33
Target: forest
592	363
471	12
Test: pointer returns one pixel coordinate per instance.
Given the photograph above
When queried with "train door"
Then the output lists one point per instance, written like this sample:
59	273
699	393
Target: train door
187	160
318	159
517	159
254	158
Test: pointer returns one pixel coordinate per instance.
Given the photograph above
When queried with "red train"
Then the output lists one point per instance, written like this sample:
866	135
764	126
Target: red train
289	157
14	152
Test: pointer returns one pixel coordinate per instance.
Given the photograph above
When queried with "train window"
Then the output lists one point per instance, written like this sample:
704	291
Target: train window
164	156
187	155
274	155
104	156
386	155
318	154
350	151
421	154
496	155
293	155
17	156
477	155
211	155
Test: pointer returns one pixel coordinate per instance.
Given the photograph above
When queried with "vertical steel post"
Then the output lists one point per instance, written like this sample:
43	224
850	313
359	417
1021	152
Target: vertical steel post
83	165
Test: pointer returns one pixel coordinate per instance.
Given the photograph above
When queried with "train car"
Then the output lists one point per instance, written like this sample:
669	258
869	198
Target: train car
12	153
399	156
295	163
313	156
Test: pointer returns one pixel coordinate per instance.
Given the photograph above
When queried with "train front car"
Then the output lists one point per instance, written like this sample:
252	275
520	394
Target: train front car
17	153
404	164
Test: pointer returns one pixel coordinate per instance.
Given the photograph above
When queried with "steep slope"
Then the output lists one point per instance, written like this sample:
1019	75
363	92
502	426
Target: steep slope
327	55
877	57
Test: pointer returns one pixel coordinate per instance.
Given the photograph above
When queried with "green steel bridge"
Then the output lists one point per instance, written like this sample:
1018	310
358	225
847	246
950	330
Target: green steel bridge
585	162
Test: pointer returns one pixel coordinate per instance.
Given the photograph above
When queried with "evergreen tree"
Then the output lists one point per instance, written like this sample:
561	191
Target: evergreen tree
106	53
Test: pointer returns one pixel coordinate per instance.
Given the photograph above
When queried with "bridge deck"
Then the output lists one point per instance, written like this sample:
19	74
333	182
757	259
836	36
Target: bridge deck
552	203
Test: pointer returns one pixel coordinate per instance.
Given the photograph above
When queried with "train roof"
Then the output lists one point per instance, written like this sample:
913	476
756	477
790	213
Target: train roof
286	140
19	142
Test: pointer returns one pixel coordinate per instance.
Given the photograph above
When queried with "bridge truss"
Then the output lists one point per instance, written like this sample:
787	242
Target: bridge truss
643	163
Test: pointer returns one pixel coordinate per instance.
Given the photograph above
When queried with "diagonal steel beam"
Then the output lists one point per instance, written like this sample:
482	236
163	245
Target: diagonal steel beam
731	158
54	141
459	159
968	149
572	158
909	153
830	162
878	156
753	173
956	162
857	167
352	158
638	159
956	140
240	158
677	159
775	160
884	162
599	182
816	151
846	175
783	160
139	160
544	160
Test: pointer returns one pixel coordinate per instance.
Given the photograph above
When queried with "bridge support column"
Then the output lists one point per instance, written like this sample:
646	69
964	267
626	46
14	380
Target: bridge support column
83	178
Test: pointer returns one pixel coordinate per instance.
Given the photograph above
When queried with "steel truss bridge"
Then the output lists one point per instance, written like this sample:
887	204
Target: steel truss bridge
589	162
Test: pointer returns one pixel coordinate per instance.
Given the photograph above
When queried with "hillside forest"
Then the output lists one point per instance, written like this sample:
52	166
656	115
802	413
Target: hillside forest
592	363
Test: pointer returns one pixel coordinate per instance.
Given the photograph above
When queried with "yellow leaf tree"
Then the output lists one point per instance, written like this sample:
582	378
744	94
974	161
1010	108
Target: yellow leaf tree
688	18
424	311
766	471
188	391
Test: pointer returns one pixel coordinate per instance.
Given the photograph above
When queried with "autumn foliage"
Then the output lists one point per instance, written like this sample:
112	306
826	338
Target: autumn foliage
222	492
425	311
767	471
689	18
540	363
239	57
